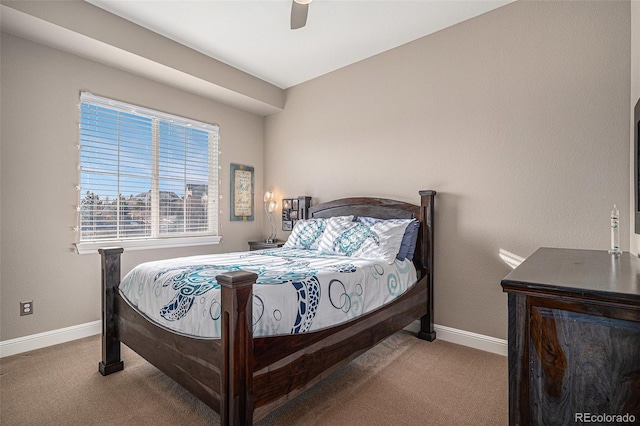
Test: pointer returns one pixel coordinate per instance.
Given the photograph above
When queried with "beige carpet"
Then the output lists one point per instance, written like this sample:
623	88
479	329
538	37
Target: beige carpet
402	381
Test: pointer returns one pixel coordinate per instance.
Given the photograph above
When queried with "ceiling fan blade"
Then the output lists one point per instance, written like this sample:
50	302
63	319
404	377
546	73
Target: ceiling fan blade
298	15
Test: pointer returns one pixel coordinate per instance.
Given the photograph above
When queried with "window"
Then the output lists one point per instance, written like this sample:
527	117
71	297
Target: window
147	179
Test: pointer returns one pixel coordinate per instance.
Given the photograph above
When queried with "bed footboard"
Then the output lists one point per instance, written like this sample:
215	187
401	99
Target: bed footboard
236	392
233	359
111	361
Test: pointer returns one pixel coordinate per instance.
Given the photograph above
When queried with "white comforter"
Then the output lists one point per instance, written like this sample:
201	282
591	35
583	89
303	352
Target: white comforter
297	290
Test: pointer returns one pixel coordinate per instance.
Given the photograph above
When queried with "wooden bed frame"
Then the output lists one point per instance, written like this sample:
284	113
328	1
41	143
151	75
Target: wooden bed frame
244	378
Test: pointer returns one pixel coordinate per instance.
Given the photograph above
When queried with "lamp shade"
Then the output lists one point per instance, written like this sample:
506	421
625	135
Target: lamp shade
303	1
268	196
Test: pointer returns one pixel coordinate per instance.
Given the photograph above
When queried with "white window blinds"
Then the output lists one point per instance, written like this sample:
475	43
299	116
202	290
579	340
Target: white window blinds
145	174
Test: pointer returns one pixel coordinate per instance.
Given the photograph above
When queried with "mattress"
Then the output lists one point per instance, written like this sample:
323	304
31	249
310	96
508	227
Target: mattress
297	290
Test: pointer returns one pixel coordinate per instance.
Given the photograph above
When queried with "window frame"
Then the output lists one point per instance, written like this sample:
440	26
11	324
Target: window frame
156	240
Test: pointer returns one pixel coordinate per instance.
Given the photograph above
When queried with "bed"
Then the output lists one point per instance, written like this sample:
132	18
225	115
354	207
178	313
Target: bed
244	377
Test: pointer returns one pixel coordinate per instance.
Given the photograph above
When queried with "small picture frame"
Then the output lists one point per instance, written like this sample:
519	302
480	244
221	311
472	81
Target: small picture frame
291	212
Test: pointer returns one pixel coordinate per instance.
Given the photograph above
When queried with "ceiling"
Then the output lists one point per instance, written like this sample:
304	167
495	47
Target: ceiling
254	36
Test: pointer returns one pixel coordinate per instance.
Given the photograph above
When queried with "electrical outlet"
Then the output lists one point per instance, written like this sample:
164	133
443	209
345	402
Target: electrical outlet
26	308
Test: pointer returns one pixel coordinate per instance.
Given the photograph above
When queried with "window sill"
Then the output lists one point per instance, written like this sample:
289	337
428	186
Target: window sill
91	247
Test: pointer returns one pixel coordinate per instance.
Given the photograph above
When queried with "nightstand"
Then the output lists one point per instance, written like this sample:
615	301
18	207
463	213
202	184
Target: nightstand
259	245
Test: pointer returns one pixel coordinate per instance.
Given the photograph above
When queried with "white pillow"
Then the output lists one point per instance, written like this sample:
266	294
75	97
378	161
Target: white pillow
381	240
306	233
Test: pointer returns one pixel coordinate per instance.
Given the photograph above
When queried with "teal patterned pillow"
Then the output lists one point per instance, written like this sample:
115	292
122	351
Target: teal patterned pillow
345	238
379	241
409	239
307	232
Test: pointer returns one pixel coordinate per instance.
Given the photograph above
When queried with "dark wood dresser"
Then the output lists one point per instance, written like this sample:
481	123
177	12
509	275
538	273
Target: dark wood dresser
574	338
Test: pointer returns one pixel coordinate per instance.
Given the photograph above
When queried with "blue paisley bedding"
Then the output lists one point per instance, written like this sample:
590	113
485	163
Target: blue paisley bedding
297	290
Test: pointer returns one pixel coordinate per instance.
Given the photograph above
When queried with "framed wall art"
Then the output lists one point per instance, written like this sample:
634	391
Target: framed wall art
242	183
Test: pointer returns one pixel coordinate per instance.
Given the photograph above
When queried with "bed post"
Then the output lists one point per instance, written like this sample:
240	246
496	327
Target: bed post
304	203
427	199
236	374
111	361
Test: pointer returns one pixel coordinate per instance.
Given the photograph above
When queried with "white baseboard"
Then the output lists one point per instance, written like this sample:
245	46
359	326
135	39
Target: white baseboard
55	337
466	338
49	338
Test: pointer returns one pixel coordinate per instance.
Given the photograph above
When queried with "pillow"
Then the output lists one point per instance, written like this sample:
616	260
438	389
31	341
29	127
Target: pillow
306	232
411	234
409	239
381	240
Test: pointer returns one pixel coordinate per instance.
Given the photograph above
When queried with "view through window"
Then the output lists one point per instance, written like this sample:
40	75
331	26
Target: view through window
145	174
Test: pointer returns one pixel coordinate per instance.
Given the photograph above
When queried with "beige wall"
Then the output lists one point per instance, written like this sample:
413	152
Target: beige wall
518	118
40	89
